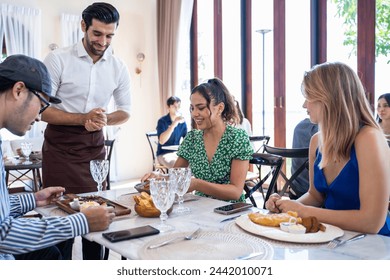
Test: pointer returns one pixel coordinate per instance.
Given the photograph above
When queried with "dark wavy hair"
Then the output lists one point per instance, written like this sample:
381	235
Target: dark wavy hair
100	11
386	96
215	92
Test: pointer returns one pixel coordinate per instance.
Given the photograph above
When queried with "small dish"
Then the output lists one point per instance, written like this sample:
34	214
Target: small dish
285	226
292	227
75	204
297	229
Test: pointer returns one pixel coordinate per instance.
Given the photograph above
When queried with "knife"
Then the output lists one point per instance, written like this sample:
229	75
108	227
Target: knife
250	256
229	219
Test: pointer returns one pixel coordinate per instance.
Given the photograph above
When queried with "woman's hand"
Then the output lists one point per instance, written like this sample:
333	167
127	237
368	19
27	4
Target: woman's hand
271	203
48	195
148	176
285	205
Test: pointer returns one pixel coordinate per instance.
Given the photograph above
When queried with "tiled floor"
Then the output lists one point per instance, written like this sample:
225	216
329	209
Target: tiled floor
77	253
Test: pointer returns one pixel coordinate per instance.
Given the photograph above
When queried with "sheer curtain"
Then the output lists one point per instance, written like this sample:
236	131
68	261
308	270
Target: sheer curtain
71	29
173	19
20	27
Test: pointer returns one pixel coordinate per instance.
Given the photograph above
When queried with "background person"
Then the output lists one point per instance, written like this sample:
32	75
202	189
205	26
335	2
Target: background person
383	116
25	92
243	122
348	156
85	76
171	129
217	152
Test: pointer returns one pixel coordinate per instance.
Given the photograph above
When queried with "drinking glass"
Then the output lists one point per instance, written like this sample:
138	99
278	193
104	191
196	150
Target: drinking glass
182	178
99	170
163	195
26	148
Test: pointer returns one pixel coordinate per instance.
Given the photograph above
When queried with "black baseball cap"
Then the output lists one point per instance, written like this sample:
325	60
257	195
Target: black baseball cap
29	70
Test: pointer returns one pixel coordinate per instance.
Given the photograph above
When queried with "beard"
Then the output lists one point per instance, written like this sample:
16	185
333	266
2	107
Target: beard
90	46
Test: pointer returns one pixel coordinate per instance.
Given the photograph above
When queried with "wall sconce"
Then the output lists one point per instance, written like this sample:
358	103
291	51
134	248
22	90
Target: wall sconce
140	58
53	46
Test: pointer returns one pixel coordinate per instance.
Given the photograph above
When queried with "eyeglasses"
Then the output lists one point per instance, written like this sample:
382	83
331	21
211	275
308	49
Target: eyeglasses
45	102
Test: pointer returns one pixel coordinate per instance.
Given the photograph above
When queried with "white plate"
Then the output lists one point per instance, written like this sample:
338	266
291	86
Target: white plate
276	233
209	245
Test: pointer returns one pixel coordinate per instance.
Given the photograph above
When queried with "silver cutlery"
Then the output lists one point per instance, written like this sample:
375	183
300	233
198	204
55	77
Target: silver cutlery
229	219
250	256
188	237
338	241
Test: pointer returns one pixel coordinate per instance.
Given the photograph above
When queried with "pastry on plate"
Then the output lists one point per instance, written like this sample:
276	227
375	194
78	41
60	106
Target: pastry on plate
273	219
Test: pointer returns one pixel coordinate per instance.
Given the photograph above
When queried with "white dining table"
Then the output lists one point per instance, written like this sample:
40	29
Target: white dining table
371	247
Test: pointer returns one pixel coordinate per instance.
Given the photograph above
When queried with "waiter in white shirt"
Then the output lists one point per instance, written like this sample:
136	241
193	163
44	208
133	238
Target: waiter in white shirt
85	76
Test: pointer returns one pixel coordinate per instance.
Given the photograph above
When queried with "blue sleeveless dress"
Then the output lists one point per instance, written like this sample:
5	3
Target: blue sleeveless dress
343	192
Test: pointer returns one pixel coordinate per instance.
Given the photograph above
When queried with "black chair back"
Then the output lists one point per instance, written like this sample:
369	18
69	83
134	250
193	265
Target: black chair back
260	160
109	145
153	140
290	153
262	139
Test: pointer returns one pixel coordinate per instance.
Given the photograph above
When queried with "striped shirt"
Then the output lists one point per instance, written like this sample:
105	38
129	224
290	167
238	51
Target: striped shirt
21	235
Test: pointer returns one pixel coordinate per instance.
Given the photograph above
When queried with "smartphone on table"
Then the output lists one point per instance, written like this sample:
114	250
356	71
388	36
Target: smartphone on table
232	208
115	236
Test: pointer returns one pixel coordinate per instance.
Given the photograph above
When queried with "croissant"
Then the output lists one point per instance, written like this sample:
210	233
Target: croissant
273	220
144	206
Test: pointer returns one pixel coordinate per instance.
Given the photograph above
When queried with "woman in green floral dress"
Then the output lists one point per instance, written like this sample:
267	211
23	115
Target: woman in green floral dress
217	152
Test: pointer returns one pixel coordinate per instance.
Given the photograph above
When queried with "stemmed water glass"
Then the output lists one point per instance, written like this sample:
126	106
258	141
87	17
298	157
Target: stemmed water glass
99	170
182	178
26	148
163	195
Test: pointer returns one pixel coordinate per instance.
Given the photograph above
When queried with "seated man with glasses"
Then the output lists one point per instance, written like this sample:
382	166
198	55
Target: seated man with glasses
25	92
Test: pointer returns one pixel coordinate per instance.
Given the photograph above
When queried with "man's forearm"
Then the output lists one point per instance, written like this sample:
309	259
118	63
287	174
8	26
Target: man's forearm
59	117
117	117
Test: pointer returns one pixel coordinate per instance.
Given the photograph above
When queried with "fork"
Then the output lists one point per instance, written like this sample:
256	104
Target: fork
338	242
169	241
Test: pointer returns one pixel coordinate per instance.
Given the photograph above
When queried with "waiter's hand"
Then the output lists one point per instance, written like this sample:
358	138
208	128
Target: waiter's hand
92	126
48	195
95	119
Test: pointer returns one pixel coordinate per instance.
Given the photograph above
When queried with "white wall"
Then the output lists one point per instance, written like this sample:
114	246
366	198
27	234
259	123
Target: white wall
136	33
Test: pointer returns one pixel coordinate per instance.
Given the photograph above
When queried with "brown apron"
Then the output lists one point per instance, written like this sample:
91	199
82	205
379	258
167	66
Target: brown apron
66	153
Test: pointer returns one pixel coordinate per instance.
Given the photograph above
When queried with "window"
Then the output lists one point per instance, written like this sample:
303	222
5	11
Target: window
262	18
231	45
205	40
297	62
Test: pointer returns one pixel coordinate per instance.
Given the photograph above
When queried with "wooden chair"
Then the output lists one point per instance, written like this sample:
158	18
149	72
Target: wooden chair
153	141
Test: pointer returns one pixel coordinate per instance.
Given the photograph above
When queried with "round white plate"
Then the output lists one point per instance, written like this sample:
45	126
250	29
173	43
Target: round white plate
209	245
276	233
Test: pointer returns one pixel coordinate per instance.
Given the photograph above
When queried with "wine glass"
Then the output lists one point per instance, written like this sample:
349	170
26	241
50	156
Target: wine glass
163	195
99	170
26	148
182	179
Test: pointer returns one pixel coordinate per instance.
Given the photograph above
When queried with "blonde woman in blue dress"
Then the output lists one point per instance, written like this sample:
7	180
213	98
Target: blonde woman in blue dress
349	160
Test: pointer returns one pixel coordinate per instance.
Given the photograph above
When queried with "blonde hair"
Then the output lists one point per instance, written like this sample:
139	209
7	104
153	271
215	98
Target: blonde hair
344	108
